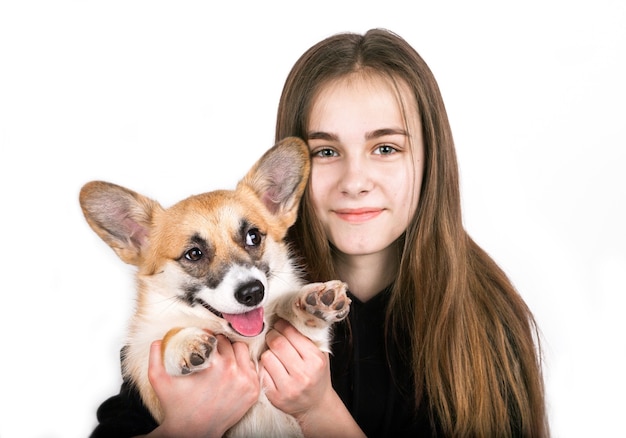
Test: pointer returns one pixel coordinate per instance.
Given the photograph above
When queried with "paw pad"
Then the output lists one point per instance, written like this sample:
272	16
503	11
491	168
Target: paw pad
198	351
326	301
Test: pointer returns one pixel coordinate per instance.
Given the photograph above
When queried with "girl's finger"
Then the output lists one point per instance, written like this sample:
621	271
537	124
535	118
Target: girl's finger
242	354
225	348
267	382
156	369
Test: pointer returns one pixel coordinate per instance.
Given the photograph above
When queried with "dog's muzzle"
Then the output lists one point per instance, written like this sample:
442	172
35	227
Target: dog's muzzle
249	323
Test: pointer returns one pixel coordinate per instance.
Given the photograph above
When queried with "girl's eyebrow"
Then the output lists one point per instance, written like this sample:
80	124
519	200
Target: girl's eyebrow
386	131
321	135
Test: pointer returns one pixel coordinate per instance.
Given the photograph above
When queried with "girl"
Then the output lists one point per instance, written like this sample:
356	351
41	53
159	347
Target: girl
438	342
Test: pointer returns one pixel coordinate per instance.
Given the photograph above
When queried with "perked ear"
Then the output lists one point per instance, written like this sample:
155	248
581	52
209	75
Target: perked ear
119	216
279	177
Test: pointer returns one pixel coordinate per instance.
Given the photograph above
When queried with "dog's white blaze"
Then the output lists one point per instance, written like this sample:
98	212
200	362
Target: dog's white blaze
222	298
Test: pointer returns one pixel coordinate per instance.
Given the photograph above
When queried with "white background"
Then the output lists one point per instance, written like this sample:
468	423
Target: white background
176	98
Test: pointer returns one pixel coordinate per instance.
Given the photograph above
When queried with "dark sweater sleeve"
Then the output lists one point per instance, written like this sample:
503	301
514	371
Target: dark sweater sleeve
124	415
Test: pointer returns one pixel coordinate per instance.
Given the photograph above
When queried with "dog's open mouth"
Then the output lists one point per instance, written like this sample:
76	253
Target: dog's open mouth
246	324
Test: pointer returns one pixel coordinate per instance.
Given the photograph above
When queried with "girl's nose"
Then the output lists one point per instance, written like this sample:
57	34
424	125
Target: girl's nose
355	179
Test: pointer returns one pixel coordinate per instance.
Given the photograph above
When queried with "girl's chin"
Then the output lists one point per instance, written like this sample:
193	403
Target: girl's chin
363	244
352	249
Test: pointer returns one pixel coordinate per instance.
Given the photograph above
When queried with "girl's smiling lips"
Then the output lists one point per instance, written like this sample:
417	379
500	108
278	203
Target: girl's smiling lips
358	215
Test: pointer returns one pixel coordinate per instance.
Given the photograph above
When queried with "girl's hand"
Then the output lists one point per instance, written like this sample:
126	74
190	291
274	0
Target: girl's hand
294	372
296	379
209	402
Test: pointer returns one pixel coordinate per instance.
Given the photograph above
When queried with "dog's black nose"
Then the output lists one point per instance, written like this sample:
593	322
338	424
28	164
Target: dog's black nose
251	293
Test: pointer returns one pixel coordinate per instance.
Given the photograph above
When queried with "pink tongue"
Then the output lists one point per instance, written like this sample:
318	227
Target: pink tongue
246	324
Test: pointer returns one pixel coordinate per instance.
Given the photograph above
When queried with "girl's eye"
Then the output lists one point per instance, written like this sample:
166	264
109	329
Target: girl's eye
325	153
253	237
385	149
194	254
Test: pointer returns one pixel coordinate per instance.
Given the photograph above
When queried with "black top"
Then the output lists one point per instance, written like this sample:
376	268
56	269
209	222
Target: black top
381	402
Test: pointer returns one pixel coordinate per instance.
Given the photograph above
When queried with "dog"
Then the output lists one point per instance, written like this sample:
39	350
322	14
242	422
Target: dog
216	263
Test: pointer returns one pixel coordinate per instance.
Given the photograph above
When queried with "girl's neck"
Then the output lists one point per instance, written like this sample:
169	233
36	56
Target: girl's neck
367	275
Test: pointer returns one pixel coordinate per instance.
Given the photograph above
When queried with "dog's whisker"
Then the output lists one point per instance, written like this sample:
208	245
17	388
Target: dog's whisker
171	302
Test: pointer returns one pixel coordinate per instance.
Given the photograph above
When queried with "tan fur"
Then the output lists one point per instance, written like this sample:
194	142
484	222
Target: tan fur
221	251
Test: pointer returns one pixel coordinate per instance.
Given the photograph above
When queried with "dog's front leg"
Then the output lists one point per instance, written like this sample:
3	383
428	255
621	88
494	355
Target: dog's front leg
186	350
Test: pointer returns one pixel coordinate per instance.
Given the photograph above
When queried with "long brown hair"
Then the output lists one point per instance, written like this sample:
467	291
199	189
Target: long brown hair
473	342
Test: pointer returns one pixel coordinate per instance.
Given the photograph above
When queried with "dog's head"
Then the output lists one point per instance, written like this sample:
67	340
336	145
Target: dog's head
217	252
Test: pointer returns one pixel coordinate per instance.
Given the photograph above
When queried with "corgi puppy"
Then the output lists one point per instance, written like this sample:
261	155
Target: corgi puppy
216	263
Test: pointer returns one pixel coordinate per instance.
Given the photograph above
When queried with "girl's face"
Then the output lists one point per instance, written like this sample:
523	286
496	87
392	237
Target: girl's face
367	162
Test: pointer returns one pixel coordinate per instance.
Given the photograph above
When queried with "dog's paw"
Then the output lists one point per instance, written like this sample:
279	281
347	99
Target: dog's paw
187	350
327	302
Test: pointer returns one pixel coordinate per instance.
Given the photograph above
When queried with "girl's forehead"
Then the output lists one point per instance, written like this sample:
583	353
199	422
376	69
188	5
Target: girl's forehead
387	98
365	81
362	81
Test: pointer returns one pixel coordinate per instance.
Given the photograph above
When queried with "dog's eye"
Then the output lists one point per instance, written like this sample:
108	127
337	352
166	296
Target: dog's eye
253	237
194	254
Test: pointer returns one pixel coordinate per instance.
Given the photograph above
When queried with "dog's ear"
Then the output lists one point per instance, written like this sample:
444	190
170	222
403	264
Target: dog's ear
120	217
278	179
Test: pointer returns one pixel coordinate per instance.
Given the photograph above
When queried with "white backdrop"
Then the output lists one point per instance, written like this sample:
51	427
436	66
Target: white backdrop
176	98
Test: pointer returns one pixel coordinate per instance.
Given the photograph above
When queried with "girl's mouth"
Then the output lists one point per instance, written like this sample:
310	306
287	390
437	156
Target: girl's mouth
358	215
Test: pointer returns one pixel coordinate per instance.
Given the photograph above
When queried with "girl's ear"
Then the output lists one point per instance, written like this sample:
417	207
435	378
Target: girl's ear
279	177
